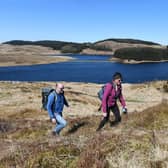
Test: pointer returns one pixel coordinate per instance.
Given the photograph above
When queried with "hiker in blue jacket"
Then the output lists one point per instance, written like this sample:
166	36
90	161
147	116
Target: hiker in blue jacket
55	105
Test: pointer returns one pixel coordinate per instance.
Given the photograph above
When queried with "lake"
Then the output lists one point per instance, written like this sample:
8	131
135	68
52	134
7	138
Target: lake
86	68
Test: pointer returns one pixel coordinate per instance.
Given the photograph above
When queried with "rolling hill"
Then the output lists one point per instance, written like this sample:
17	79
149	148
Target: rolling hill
121	49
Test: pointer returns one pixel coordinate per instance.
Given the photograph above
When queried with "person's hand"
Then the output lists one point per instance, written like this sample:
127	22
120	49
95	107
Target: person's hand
53	120
104	114
124	110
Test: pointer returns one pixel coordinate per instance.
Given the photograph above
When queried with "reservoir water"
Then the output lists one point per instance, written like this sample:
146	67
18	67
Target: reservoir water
86	68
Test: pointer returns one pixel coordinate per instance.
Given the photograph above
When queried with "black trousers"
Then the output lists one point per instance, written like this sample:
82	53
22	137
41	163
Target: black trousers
117	116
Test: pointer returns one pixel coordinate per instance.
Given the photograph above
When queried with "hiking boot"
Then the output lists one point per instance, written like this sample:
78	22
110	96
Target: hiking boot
55	133
113	123
98	129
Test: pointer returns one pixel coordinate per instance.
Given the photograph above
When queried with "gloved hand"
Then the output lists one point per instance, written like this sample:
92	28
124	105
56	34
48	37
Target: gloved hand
104	114
124	110
53	120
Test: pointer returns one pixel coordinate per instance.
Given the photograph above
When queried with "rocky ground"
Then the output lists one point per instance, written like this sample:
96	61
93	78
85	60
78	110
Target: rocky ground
139	141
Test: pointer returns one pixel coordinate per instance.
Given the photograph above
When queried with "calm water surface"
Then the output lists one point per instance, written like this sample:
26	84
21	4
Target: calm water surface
85	68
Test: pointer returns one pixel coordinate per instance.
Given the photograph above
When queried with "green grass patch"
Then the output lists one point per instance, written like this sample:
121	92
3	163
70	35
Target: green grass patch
29	133
60	156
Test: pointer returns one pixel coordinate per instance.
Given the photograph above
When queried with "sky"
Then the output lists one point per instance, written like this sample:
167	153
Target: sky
84	20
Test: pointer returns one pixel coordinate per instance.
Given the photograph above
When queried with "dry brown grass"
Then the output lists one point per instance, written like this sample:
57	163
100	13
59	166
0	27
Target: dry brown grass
28	55
25	131
126	145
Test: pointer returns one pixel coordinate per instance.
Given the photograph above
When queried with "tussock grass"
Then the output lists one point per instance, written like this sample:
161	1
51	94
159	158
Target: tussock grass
133	143
29	133
41	155
5	126
165	87
154	118
140	140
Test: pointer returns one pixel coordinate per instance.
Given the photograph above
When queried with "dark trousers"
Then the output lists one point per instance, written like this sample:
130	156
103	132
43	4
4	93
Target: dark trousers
117	116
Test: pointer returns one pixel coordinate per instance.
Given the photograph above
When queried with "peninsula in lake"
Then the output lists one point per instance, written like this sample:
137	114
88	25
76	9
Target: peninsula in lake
19	52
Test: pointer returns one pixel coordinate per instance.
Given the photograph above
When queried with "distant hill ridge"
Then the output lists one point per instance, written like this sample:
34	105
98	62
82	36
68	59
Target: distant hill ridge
57	45
73	47
54	42
131	41
124	49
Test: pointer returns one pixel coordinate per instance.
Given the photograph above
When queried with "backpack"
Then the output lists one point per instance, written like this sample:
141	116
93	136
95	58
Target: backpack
101	92
45	93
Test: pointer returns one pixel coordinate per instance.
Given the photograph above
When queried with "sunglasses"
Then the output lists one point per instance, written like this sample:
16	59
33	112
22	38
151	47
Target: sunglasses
119	80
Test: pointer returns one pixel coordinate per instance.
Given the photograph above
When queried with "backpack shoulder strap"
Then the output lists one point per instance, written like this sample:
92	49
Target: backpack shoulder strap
54	101
55	95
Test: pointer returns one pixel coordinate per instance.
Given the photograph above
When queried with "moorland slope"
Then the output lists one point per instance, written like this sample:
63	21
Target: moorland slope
139	141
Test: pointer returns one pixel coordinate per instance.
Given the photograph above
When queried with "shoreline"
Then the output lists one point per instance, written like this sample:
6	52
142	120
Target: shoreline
33	60
29	55
126	61
48	59
35	55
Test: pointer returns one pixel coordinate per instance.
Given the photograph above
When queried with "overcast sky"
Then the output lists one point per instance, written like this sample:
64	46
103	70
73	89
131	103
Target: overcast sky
84	20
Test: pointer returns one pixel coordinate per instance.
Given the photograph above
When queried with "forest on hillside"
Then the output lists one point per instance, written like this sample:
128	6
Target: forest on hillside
72	47
142	53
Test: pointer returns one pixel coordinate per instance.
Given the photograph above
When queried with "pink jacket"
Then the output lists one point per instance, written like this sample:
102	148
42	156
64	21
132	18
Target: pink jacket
111	95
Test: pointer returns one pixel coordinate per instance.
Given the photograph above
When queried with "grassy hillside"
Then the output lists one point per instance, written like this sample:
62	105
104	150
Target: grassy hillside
26	140
139	141
107	46
112	45
12	55
130	41
65	47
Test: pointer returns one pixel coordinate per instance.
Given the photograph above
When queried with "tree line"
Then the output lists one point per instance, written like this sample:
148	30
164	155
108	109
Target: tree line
64	47
142	53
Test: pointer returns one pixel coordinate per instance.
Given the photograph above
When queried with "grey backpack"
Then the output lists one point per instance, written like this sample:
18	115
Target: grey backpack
45	92
101	92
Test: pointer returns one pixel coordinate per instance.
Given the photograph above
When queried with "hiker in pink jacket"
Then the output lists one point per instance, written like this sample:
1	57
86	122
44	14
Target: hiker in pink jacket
112	92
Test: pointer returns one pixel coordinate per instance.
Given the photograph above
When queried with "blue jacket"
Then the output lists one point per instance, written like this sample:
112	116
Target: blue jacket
56	104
